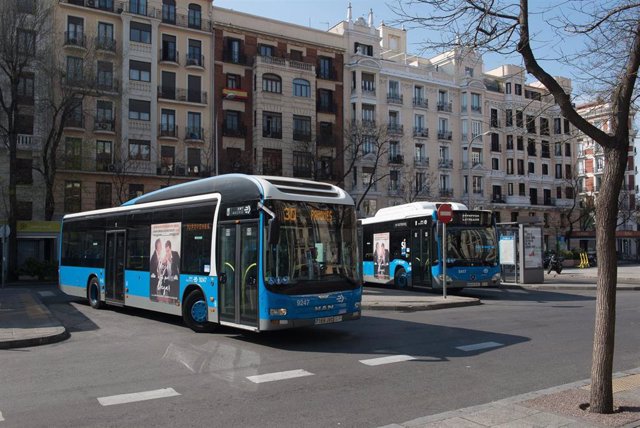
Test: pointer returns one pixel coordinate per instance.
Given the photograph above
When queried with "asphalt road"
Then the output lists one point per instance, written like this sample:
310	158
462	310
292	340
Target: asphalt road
517	341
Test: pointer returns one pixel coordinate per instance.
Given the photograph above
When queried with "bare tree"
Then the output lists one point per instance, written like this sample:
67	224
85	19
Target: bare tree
22	24
366	146
414	189
610	32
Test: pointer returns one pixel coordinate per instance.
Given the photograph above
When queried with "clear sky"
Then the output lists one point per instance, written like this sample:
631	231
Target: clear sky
322	14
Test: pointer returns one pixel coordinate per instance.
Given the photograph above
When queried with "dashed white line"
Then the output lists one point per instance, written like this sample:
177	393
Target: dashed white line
46	293
1	418
137	396
270	377
387	360
476	346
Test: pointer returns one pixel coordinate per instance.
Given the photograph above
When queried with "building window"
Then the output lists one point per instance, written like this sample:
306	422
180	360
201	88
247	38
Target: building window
24	172
301	128
363	49
194	54
138	7
194	126
507	88
103	195
169	11
567	149
272	125
508	117
135	190
231	126
301	88
139	110
75	70
140	150
519	119
272	162
509	142
510	166
140	32
557	125
266	50
495	164
532	168
195	16
140	71
271	83
233	81
325	101
24	210
518	89
325	67
475	103
73	153
25	89
26	42
558	170
72	196
194	166
104	156
194	95
545	169
168	123
302	164
531	124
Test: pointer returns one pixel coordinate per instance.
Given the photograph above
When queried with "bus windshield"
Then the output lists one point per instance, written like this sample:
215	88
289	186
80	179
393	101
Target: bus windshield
316	250
471	246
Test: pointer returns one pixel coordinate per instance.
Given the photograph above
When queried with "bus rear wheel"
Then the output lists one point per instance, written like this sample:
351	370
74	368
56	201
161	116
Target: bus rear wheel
194	312
93	294
400	279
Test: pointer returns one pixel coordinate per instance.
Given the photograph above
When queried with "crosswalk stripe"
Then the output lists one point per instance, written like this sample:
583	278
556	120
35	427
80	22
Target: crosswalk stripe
477	346
387	360
270	377
137	396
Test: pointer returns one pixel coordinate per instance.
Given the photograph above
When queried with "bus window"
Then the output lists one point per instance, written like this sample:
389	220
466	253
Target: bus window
197	228
138	241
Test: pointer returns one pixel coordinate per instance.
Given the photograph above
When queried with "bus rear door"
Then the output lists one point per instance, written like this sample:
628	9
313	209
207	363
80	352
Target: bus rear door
420	256
238	273
114	267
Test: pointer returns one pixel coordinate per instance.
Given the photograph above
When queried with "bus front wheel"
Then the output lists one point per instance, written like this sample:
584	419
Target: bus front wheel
194	312
93	294
400	279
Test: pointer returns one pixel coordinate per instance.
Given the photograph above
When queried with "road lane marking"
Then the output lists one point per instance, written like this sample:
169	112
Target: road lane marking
387	360
1	418
477	346
270	377
46	293
137	396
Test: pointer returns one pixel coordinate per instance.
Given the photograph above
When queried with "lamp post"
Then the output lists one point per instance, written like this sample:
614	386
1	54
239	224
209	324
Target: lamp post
469	181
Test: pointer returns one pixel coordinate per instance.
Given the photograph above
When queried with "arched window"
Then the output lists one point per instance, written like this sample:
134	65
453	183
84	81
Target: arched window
301	88
195	16
271	83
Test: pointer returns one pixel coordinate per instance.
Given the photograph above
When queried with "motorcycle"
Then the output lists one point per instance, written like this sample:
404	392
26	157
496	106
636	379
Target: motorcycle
555	263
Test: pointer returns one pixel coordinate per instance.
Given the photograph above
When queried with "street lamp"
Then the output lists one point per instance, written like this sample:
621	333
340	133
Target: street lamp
469	181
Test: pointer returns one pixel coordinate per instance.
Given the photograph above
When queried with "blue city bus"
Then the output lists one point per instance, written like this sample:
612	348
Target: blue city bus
402	247
252	252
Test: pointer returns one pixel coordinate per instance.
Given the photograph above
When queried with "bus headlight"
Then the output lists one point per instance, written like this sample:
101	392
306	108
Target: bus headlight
449	280
496	278
278	312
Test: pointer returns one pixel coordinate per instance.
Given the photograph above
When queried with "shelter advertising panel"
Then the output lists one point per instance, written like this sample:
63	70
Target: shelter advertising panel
164	265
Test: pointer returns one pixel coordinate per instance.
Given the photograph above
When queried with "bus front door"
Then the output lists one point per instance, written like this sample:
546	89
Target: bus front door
114	267
238	273
421	257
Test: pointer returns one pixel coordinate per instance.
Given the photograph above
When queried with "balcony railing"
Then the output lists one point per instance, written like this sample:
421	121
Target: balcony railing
104	125
326	74
169	55
326	108
446	193
299	135
169	16
420	102
235	130
496	147
445	135
194	133
327	140
395	189
272	133
445	106
420	132
168	131
234	57
194	60
396	159
395	128
495	123
107	5
394	98
74	122
75	38
476	109
368	89
105	44
445	163
180	94
368	123
107	84
472	164
422	162
498	199
140	8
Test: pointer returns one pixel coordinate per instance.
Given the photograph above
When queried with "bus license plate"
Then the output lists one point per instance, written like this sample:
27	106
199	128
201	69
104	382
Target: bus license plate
328	320
473	284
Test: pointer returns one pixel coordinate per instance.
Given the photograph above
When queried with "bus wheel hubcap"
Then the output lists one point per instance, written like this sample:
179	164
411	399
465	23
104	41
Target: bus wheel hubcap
199	311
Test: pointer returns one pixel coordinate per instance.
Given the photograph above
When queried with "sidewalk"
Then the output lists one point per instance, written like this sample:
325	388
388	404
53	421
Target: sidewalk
385	299
554	407
26	321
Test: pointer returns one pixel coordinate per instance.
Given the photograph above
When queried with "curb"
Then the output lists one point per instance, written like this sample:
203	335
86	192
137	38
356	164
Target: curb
567	288
419	307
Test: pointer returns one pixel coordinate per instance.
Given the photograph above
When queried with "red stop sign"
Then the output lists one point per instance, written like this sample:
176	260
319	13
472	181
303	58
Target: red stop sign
445	213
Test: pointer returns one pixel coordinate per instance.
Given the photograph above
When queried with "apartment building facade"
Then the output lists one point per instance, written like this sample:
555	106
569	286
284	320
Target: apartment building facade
279	98
590	165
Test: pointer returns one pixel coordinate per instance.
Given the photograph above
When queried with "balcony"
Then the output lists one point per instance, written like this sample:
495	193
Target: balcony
396	159
139	8
183	95
394	99
498	199
169	55
395	128
234	130
272	133
234	57
476	109
194	134
106	5
107	84
283	62
105	44
366	123
326	140
445	135
472	164
104	125
369	89
75	39
74	122
395	189
326	108
496	147
300	135
445	193
421	162
533	200
531	151
420	102
169	16
420	132
167	130
28	142
194	60
549	201
445	163
445	106
495	123
326	74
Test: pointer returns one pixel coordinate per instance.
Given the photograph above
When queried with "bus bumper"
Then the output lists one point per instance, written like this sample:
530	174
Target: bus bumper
281	324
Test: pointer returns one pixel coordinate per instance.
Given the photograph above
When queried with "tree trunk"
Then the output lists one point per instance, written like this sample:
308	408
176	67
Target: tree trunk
12	265
601	400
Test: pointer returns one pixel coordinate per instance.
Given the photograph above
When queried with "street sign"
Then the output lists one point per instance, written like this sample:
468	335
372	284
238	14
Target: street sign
445	213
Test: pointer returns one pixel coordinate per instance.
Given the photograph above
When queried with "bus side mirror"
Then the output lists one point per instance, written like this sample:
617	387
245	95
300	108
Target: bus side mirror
274	231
